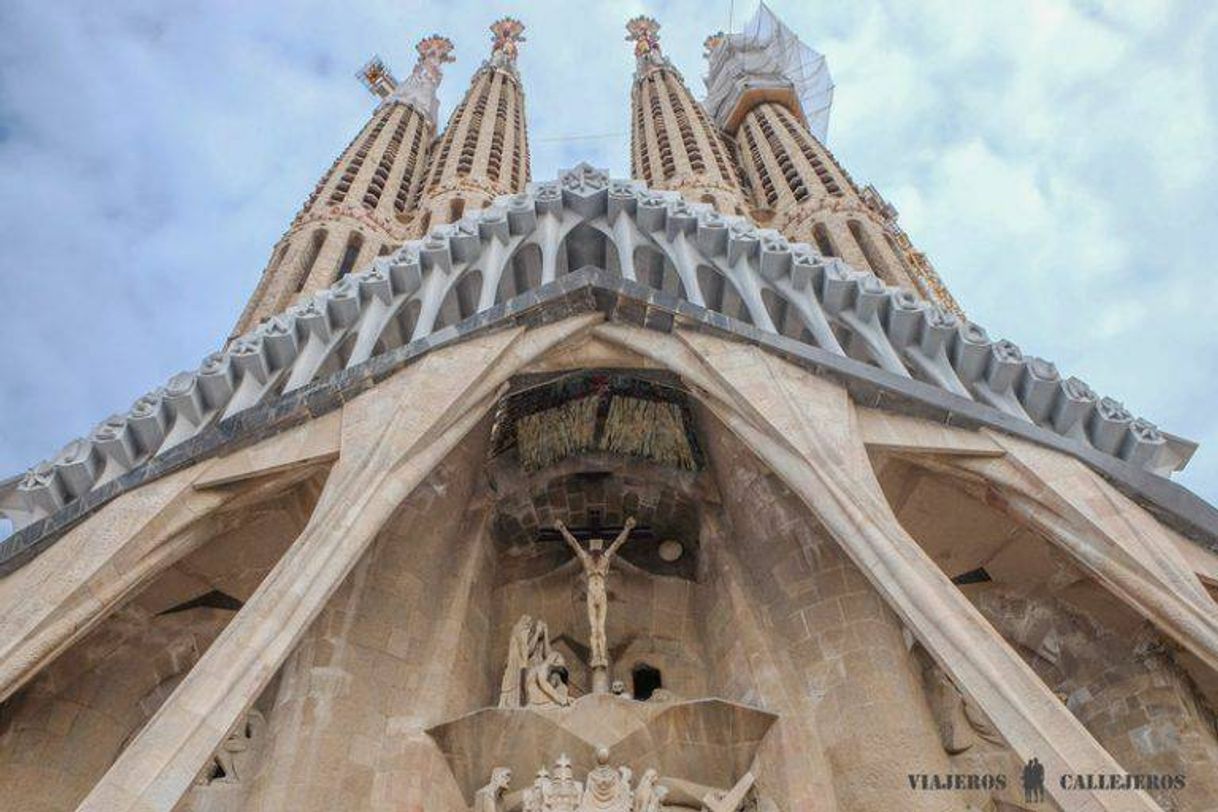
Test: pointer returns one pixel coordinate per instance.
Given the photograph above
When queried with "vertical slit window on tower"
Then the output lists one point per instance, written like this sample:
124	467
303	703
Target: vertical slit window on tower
878	266
824	243
354	243
310	258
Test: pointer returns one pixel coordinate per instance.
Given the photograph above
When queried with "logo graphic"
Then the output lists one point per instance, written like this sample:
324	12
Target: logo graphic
1033	781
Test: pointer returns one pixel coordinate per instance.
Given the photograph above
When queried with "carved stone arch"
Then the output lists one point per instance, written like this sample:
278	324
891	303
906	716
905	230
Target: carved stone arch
720	294
824	241
586	245
656	270
339	355
400	328
785	315
520	273
461	300
854	344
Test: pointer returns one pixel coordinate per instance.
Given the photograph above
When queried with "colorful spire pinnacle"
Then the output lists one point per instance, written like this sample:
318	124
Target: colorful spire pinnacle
433	51
507	32
644	32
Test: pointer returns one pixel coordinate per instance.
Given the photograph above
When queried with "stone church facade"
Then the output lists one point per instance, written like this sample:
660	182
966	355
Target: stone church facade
691	491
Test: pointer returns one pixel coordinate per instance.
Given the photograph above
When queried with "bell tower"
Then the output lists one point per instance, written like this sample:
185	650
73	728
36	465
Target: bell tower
362	205
484	151
674	143
765	90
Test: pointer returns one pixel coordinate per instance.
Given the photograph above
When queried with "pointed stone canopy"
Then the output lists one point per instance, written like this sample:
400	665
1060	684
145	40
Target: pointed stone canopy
654	256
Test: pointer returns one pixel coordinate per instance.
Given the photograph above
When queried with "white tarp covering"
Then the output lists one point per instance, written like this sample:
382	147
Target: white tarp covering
768	50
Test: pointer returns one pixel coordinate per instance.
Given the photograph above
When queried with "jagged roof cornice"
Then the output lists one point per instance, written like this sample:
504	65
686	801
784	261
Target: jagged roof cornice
874	328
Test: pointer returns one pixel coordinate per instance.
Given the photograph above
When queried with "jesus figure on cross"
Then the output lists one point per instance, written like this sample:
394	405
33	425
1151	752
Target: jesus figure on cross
596	561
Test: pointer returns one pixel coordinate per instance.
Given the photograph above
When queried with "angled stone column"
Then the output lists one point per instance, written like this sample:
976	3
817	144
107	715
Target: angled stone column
61	595
805	429
392	437
1112	539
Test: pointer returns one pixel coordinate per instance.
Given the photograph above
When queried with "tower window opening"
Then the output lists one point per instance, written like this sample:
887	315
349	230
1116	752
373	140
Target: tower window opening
354	243
646	681
306	266
456	208
823	243
878	266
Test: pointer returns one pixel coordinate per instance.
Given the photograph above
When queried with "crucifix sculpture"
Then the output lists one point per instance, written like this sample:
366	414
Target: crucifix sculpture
596	561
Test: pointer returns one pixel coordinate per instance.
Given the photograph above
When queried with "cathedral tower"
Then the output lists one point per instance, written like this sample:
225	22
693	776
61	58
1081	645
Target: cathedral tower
484	151
362	205
674	144
758	86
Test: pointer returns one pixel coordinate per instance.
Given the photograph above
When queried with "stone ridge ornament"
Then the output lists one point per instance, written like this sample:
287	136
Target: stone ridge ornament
893	329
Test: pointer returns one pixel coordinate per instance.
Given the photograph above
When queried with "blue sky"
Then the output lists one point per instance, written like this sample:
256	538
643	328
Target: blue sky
1056	160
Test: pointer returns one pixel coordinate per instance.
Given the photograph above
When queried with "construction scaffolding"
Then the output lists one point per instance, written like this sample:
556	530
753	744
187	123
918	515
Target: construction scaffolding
767	52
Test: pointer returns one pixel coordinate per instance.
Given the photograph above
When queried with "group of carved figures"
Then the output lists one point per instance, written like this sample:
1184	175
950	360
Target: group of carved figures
536	674
604	789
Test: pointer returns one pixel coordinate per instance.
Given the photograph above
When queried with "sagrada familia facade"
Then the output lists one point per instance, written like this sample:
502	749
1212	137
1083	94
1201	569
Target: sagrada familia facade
690	491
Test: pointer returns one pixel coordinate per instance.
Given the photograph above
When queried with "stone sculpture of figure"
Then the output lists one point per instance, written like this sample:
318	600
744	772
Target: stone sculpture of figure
960	723
528	645
607	789
536	797
618	688
490	797
565	791
649	795
596	561
544	686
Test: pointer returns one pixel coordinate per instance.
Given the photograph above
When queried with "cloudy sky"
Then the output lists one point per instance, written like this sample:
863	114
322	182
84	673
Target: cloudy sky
1055	159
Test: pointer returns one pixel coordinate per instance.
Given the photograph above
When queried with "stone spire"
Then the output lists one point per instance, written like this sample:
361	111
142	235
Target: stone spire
758	88
361	206
484	151
674	143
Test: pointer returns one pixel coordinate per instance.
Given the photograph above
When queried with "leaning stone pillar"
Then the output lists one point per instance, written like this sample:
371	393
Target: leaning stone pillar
385	659
1114	540
393	436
